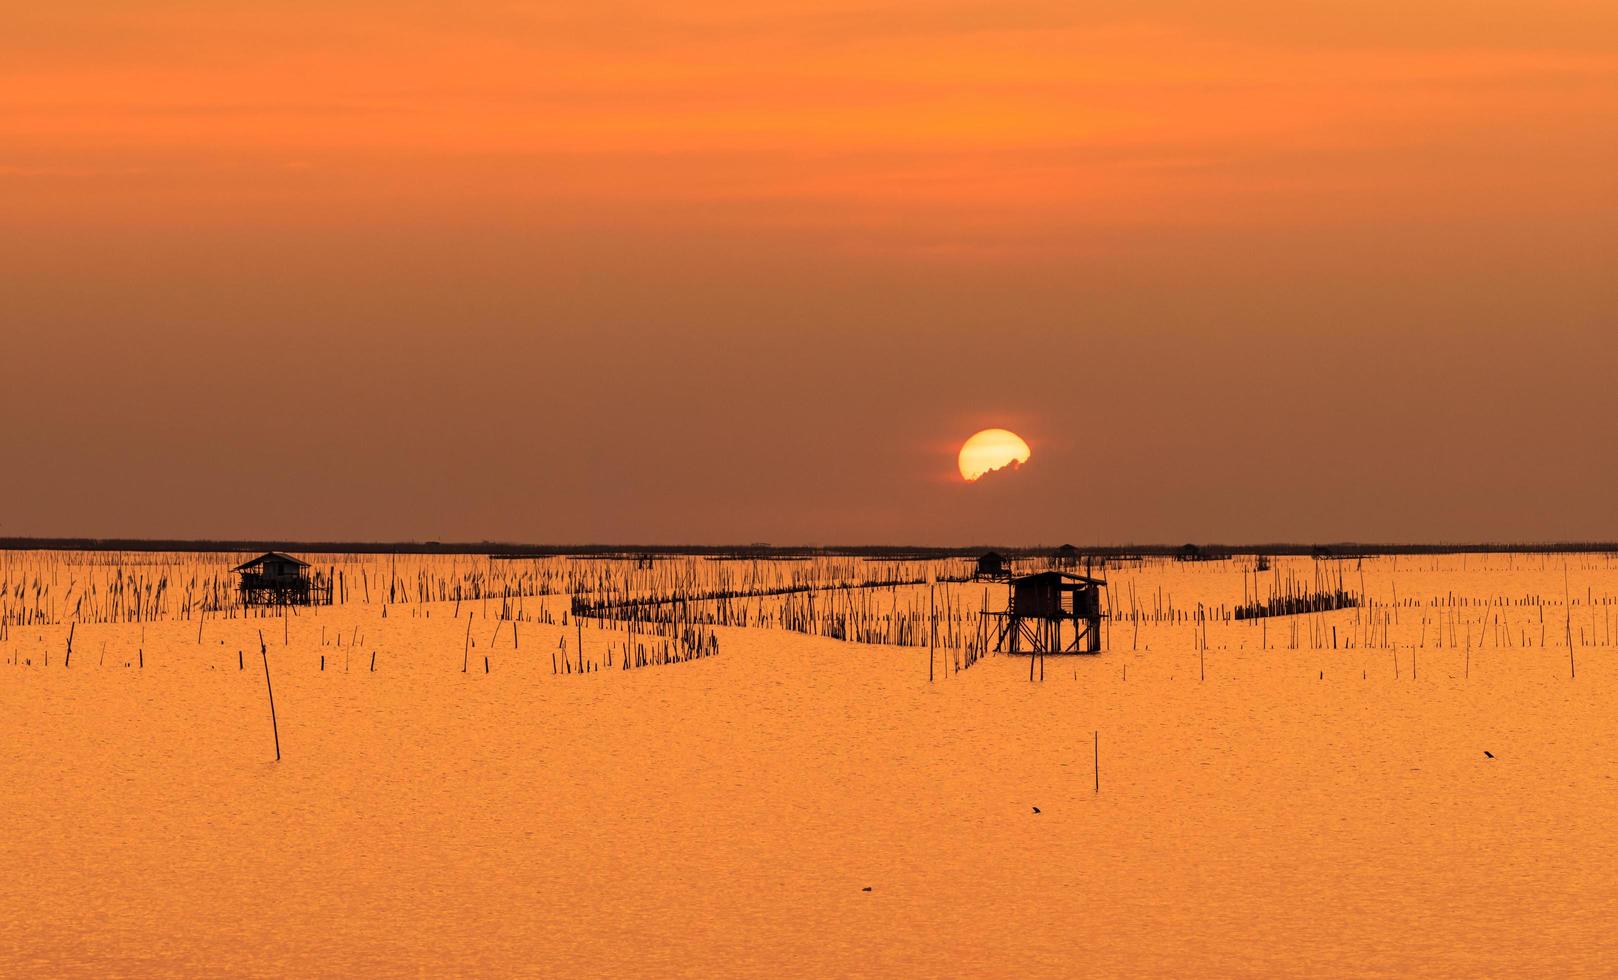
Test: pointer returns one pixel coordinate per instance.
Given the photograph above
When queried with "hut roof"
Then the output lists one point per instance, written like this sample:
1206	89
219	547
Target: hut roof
270	556
1050	577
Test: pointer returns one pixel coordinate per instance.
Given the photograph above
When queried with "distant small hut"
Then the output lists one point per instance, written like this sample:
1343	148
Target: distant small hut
276	579
1066	556
1039	606
991	564
1189	552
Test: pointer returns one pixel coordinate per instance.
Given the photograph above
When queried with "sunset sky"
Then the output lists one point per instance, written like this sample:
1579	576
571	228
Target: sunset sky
721	272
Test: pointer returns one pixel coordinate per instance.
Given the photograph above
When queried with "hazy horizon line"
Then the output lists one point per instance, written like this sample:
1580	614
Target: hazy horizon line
510	549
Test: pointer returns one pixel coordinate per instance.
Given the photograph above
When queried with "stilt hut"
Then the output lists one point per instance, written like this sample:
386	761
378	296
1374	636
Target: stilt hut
276	579
991	565
1042	604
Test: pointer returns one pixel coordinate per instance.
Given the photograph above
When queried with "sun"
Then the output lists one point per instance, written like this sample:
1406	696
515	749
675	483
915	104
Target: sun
989	450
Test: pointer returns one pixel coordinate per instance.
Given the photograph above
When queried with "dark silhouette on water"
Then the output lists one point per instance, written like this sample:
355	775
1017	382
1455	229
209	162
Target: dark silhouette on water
277	579
1039	606
991	565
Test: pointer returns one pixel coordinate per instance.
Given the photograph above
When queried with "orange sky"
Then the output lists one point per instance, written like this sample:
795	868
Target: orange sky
749	271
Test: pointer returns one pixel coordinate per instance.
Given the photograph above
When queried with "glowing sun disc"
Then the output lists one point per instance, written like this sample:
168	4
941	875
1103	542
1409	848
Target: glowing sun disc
989	450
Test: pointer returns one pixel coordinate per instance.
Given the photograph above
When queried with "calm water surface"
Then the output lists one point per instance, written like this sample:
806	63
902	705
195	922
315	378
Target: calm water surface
725	817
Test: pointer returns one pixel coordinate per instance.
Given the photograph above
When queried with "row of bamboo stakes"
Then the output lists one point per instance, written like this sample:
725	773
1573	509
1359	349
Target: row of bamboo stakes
911	604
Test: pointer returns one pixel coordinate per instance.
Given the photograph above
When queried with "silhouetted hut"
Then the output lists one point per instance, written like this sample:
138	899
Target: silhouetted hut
1066	556
1041	603
1189	552
276	579
991	564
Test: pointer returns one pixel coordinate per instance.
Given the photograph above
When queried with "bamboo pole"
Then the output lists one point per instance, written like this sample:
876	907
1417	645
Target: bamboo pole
275	728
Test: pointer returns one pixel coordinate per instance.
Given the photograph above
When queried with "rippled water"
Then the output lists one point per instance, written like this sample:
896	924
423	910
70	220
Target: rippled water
726	816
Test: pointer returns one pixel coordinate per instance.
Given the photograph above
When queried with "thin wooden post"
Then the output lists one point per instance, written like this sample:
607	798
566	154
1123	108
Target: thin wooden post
1567	608
1098	760
274	727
